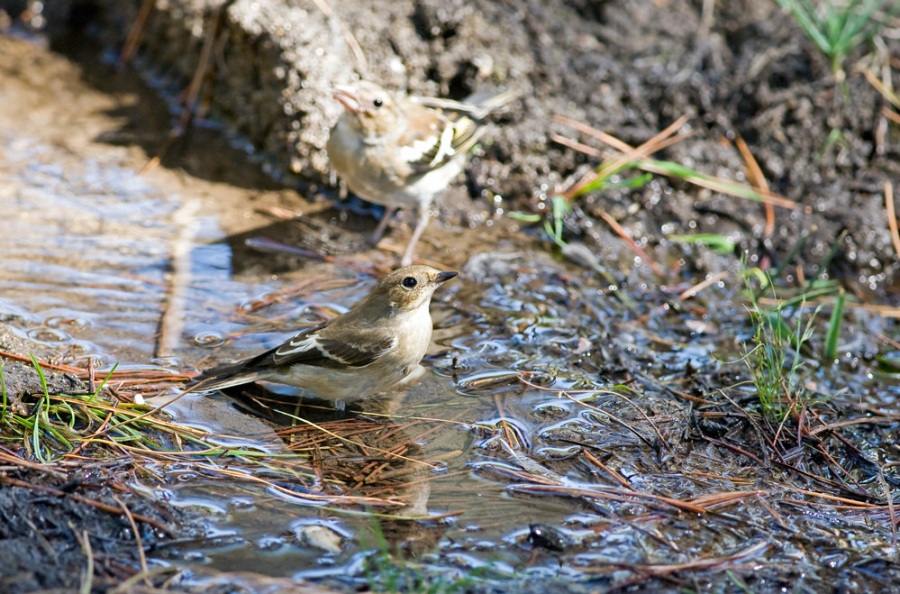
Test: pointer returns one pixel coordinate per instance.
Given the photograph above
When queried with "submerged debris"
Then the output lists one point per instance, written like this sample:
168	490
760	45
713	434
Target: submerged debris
547	537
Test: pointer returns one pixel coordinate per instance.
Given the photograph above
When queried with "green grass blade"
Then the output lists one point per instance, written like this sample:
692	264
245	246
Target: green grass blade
695	177
630	183
44	401
835	26
103	383
554	227
524	217
36	432
806	18
720	243
601	183
40	372
811	294
834	327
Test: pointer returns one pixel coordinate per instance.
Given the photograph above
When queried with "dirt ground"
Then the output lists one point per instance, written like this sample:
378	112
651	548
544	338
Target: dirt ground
740	70
737	70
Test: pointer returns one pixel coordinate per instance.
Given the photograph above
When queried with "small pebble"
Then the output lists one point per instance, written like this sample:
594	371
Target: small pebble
320	537
547	537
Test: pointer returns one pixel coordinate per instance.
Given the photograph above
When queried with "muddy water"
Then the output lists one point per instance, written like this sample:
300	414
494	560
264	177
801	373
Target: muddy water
550	397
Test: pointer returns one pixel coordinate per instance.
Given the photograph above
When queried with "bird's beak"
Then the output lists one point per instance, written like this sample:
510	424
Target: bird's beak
445	276
348	97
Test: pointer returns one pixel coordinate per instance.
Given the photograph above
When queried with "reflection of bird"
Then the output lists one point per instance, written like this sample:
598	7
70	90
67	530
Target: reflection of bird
366	350
401	151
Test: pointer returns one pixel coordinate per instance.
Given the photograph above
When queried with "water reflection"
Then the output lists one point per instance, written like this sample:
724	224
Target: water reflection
380	456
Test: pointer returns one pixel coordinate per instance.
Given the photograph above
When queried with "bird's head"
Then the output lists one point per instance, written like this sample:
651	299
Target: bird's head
369	108
411	287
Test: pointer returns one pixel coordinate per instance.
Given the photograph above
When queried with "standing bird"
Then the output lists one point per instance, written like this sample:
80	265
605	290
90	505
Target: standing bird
404	151
368	349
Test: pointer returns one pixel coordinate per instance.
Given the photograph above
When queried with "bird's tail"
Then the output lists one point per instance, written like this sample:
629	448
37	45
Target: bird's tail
488	101
477	106
226	376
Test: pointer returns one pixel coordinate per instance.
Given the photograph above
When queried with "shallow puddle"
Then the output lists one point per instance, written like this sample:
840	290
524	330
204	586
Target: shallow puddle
132	269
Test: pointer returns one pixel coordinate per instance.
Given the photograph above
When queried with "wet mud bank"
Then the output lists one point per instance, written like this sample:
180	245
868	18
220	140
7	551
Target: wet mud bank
739	73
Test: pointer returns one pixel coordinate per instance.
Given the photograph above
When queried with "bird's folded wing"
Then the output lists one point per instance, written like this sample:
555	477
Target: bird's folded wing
314	347
428	147
352	348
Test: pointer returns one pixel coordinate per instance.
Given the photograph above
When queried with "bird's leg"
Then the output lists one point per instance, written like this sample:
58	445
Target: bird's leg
417	233
383	223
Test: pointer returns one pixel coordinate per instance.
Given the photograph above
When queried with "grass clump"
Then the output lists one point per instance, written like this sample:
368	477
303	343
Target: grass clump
777	352
838	26
49	426
775	363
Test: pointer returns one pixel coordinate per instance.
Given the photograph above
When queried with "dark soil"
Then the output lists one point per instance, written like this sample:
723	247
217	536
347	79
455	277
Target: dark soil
52	532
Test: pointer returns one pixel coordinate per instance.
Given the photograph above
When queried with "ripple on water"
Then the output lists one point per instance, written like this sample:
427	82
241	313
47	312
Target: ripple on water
86	244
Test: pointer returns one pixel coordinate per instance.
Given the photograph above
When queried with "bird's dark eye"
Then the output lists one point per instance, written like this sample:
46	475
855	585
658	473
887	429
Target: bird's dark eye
409	282
377	102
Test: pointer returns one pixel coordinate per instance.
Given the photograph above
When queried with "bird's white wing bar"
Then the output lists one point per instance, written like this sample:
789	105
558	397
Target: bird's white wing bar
306	345
445	148
416	151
